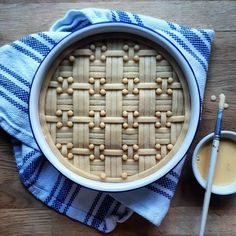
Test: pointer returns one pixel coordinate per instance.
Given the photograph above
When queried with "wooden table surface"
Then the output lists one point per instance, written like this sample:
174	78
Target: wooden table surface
22	214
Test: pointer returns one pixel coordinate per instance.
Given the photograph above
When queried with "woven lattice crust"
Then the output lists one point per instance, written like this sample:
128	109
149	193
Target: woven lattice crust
115	110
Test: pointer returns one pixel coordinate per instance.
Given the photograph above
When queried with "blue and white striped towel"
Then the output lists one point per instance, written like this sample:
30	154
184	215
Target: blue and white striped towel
19	62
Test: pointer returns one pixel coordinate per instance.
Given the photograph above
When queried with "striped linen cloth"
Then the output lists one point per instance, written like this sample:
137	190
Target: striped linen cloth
19	62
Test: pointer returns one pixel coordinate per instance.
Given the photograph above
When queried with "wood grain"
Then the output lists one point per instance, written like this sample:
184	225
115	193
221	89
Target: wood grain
22	214
31	17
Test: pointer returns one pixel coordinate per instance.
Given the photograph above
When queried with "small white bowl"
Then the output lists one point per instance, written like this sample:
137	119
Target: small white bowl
217	189
120	28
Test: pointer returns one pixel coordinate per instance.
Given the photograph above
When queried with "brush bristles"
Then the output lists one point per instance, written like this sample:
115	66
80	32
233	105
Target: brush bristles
222	101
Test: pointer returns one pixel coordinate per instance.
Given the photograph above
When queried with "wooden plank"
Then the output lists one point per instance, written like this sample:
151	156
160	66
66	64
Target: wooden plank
25	222
7	161
175	223
46	222
33	17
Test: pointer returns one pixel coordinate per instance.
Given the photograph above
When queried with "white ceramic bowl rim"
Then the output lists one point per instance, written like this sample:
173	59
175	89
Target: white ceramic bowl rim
122	28
220	190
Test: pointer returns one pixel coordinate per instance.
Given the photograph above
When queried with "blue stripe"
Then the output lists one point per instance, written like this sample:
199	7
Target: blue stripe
113	16
47	38
35	179
94	204
174	174
14	89
183	44
196	41
13	102
167	183
29	171
36	45
75	193
208	38
61	196
115	211
102	211
172	26
47	200
185	27
124	17
29	155
159	191
138	19
26	52
81	25
16	76
116	208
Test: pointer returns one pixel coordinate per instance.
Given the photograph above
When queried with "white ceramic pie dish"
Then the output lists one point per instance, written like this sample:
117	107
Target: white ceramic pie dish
120	28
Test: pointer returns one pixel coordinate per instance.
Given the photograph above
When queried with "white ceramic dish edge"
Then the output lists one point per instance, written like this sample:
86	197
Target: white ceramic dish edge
216	189
103	28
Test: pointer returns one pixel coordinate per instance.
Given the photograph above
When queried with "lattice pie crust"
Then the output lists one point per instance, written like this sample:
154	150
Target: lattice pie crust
115	108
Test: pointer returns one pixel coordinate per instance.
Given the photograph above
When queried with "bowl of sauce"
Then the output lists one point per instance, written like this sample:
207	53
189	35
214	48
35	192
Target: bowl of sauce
224	182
